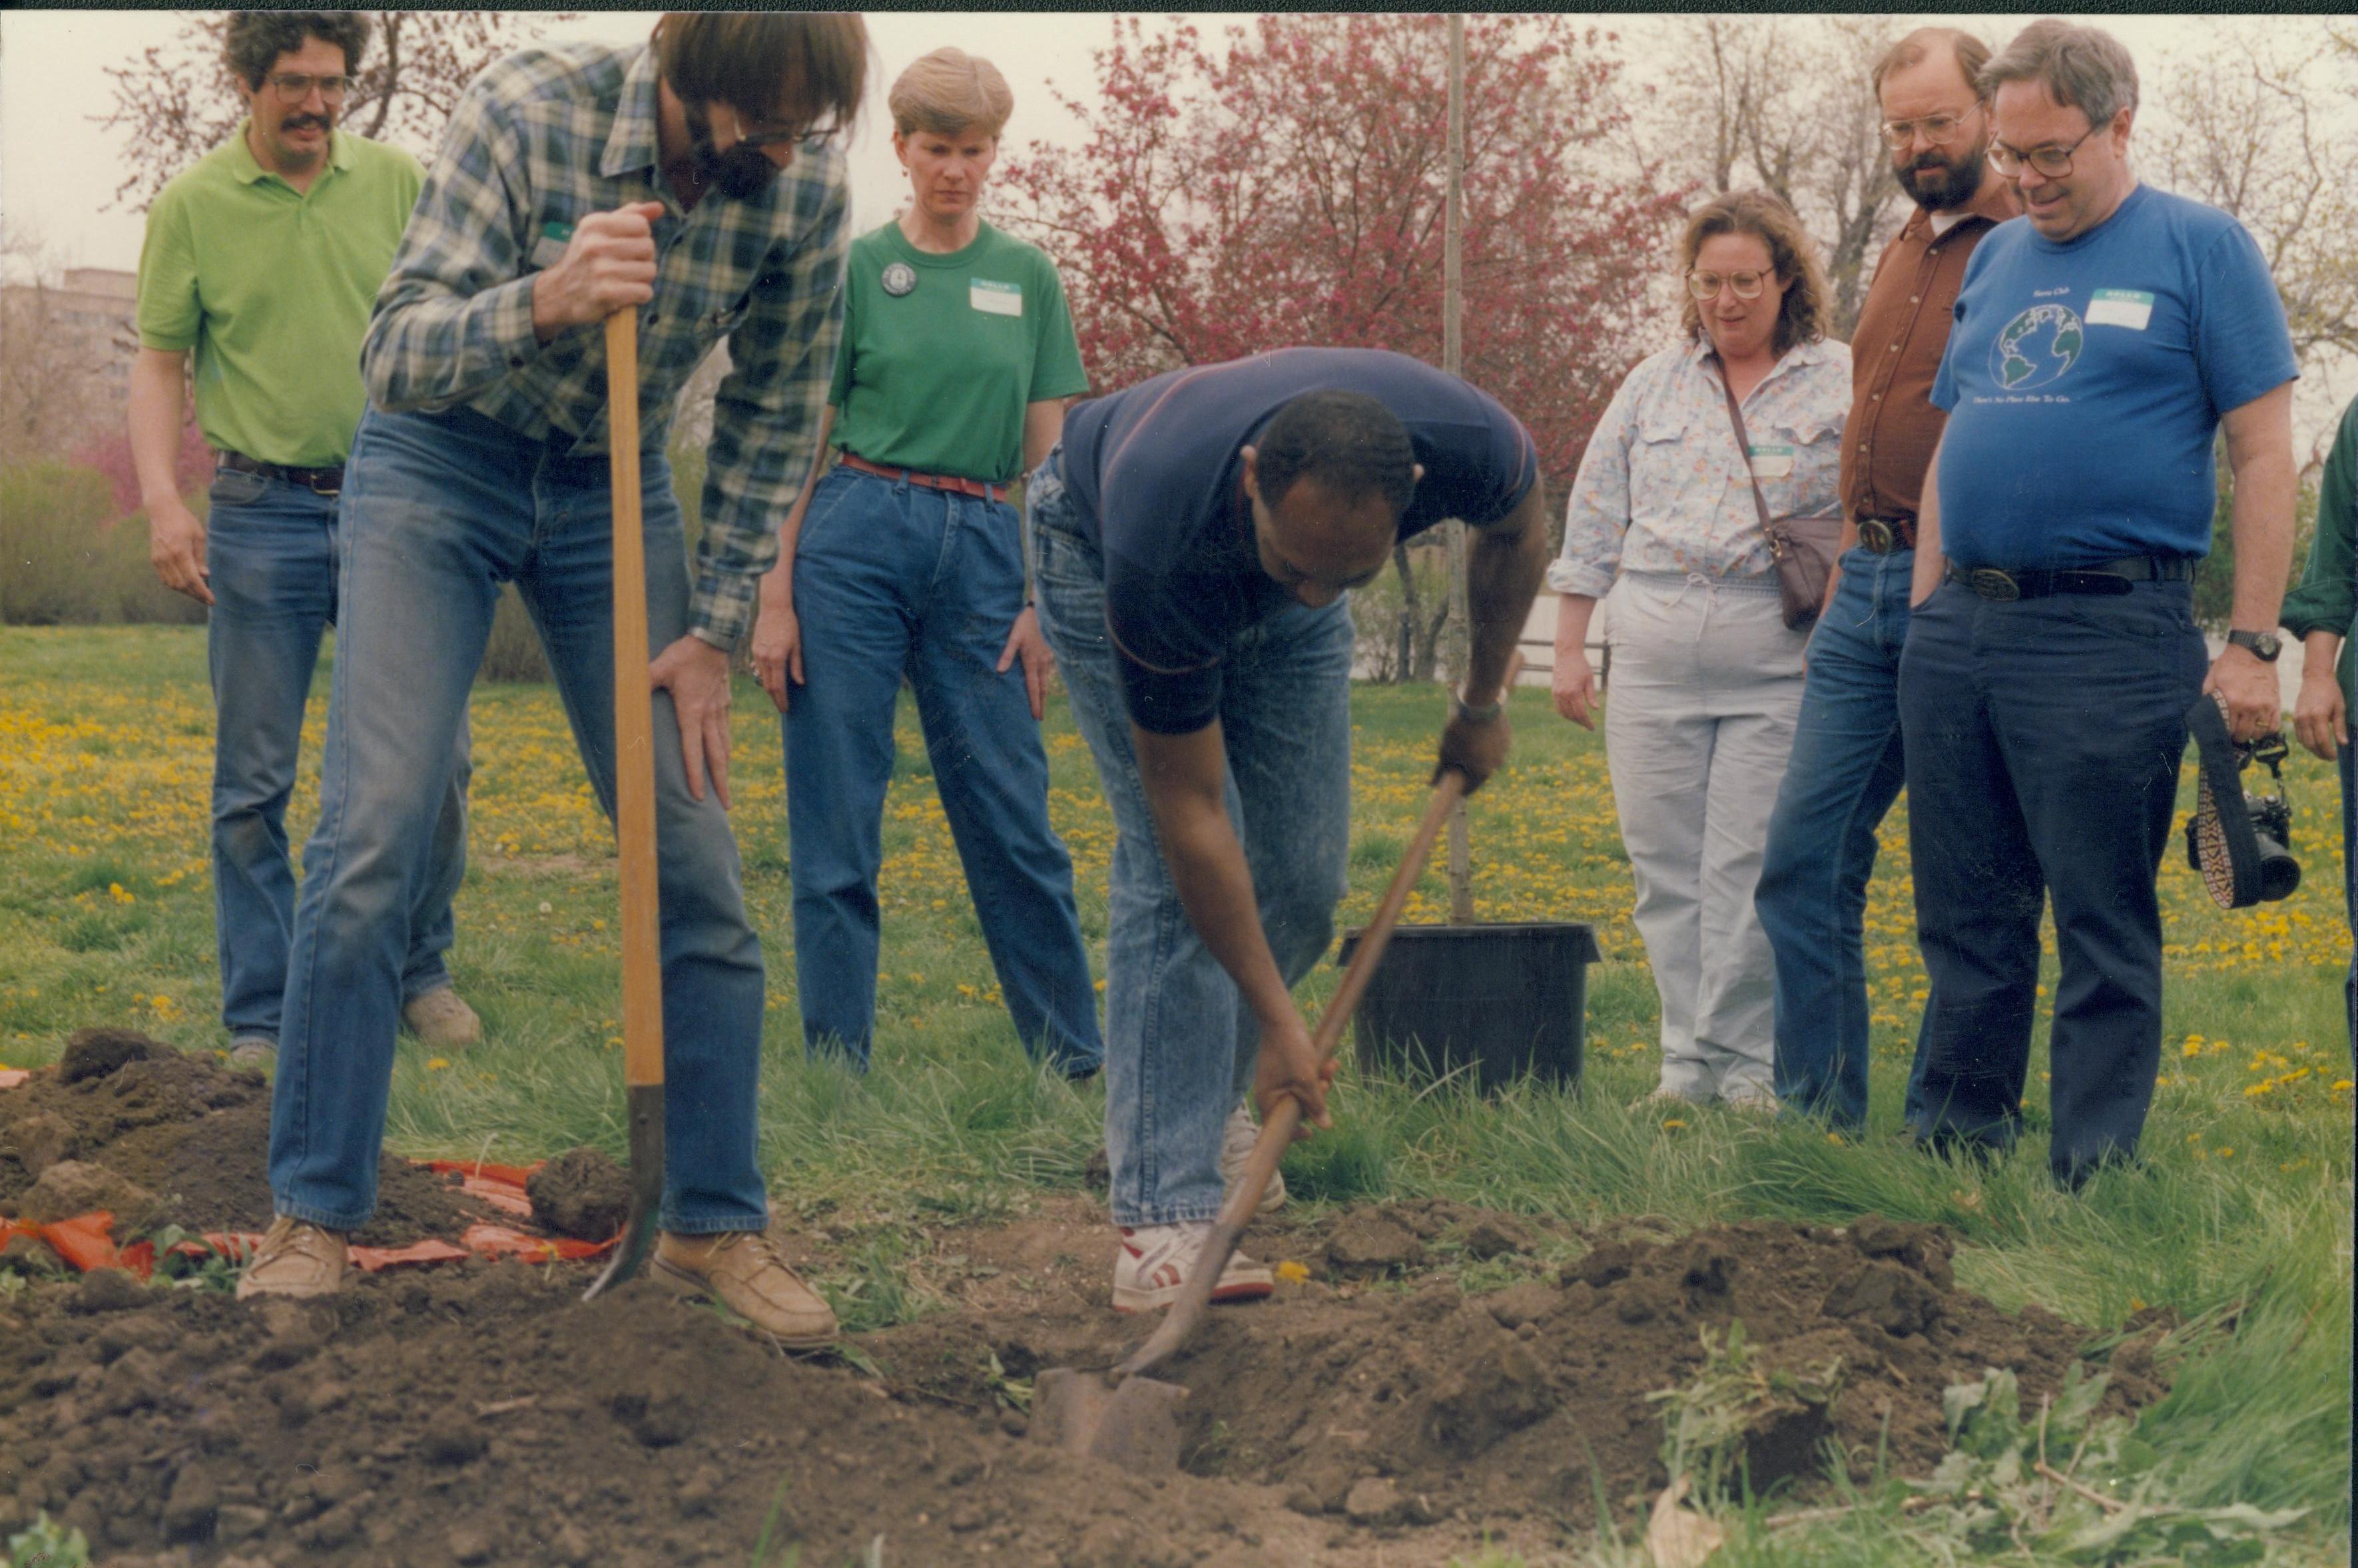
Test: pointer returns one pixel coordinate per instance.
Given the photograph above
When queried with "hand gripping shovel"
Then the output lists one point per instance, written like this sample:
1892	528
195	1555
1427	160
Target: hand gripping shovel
1128	1419
635	813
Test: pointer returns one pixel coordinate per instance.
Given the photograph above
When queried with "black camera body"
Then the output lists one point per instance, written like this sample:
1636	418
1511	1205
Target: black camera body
2272	824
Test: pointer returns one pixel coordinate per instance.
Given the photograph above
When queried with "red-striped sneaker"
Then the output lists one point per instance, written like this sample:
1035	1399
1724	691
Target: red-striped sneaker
1152	1265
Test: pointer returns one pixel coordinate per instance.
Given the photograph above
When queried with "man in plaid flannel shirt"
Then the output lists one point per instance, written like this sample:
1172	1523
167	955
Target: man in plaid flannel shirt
695	179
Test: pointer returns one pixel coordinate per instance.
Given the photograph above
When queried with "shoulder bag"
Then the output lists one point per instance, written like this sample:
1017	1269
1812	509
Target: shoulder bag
1804	544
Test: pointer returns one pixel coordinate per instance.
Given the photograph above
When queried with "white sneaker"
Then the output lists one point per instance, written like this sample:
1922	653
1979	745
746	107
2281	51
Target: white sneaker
1152	1265
1235	1148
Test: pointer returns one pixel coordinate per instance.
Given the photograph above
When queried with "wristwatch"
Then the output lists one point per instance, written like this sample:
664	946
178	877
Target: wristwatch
2262	646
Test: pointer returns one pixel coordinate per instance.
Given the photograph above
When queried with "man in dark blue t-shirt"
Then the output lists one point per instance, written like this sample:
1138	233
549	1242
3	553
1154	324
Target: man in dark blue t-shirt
2100	343
1192	538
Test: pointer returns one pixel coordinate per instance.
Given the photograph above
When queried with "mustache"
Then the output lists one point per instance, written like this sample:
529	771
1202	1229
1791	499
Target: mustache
307	121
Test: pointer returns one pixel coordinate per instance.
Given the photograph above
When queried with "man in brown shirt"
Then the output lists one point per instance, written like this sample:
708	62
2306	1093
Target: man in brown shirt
1847	765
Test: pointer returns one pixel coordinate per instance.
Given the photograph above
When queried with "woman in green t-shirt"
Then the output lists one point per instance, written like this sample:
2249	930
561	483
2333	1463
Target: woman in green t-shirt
958	359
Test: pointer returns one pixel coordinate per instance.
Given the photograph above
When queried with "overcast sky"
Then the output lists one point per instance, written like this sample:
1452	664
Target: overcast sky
58	169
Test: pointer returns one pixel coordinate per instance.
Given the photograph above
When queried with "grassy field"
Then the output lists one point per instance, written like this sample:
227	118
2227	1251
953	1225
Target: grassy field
2239	1218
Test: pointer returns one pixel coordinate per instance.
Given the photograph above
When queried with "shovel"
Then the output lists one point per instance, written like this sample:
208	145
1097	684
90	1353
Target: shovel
634	814
1132	1420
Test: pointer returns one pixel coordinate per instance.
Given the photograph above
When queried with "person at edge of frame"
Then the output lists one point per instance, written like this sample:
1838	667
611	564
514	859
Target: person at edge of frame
2052	651
261	260
1848	763
1192	538
2322	611
695	179
958	359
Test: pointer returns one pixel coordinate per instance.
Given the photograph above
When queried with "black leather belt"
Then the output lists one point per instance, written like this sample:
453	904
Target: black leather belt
325	481
1884	535
2103	577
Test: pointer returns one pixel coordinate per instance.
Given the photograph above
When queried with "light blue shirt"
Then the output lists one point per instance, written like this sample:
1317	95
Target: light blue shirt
1662	488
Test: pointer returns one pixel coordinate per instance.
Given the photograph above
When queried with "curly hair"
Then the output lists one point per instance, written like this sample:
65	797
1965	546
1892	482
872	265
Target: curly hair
1347	440
1790	251
256	39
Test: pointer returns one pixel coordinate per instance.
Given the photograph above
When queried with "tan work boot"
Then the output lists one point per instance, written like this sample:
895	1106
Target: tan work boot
296	1258
743	1271
440	1019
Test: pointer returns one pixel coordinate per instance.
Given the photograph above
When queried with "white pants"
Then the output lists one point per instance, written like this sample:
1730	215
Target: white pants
1705	690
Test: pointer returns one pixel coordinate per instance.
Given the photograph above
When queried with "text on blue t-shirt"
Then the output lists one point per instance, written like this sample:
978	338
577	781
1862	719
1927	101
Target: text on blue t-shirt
2084	381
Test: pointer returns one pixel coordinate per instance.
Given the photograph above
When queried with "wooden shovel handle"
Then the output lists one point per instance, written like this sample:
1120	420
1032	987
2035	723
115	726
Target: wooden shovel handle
635	754
1277	1131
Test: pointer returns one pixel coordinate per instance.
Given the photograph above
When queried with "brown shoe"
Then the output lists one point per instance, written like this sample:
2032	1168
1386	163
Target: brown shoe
441	1021
741	1271
296	1258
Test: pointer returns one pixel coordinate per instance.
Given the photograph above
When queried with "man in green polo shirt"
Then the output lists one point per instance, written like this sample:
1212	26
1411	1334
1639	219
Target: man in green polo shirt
264	258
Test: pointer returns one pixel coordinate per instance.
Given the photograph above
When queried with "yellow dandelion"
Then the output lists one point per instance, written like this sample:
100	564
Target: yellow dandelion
438	1063
1674	1121
1292	1272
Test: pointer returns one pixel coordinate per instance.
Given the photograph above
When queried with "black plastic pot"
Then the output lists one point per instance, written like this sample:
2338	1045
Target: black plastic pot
1498	1001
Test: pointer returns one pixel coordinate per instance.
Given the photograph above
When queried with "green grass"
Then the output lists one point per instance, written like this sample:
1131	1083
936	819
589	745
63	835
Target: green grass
2243	1202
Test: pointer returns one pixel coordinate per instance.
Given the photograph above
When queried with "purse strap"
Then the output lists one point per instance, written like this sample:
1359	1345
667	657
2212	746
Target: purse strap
1744	447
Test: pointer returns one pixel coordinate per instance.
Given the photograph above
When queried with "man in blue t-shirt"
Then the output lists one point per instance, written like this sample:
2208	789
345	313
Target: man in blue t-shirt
2099	345
1192	538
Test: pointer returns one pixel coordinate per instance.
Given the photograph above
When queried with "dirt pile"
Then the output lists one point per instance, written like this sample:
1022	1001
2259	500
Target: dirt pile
1374	1412
157	1136
1406	1403
482	1413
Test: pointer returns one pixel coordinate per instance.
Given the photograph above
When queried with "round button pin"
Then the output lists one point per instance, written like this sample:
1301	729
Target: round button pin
899	278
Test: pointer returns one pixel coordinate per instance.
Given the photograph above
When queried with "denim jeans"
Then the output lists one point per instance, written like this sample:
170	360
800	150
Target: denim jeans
1180	1042
439	510
894	578
270	556
2044	737
1846	769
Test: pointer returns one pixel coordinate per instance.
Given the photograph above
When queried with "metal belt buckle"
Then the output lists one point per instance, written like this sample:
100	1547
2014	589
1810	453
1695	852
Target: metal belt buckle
1876	535
1992	583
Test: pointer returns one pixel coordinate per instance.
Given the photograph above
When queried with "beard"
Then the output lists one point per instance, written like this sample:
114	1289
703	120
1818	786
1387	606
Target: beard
1937	183
740	174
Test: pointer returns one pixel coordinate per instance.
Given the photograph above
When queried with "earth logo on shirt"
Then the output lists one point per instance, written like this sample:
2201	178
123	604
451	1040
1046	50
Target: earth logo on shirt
2036	347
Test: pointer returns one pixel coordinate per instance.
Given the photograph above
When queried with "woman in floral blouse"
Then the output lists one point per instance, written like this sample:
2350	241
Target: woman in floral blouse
1707	677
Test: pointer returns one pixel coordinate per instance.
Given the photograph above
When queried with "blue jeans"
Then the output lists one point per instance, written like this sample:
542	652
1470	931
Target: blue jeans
1180	1042
893	579
1846	769
270	555
2044	737
439	509
2346	764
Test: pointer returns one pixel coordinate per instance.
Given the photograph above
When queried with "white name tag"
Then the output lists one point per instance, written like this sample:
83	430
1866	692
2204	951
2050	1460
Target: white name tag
1771	462
996	298
2129	308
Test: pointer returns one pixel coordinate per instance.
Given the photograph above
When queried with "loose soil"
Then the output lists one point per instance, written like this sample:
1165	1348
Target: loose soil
193	1136
1374	1412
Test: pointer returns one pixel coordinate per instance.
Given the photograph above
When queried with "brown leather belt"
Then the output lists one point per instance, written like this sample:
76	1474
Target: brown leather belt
981	489
1884	535
324	482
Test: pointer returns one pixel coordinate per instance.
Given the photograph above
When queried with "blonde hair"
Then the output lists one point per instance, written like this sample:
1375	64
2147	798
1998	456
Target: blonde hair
951	91
1762	215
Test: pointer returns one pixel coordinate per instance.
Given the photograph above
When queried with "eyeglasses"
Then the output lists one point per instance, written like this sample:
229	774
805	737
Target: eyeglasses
1940	130
1706	284
293	86
2053	162
759	139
